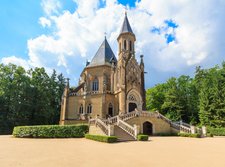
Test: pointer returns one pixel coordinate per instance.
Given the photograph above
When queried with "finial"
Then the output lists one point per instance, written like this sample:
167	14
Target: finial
125	11
87	62
142	61
105	34
68	82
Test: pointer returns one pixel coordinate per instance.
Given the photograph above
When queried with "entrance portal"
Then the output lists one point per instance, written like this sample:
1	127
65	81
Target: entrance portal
132	106
147	128
110	111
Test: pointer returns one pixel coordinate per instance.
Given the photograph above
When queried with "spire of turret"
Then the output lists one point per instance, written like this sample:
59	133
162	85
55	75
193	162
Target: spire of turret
126	25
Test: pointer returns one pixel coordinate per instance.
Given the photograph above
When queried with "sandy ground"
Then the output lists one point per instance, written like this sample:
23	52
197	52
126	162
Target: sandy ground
158	152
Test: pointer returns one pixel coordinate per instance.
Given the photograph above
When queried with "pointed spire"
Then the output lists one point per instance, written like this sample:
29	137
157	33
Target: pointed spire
126	25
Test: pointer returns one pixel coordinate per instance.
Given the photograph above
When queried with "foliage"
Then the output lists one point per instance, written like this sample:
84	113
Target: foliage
29	97
142	137
217	131
166	134
199	100
106	139
196	135
50	131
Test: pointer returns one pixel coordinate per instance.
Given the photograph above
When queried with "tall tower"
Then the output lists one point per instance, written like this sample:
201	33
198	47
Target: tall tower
126	40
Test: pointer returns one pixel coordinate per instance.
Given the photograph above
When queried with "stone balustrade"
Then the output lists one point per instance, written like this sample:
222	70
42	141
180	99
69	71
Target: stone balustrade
128	128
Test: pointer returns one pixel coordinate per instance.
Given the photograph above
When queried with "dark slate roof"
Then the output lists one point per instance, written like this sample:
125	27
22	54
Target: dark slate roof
103	56
126	26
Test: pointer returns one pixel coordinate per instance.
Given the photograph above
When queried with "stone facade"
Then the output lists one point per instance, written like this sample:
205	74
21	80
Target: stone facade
107	86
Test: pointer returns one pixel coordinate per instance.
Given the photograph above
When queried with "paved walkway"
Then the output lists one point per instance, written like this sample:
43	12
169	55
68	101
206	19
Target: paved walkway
158	152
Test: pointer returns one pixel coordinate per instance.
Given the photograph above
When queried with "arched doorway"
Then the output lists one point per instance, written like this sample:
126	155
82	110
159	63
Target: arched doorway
134	100
132	107
147	128
110	110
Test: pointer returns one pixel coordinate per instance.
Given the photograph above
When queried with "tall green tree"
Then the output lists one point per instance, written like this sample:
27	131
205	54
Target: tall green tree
28	97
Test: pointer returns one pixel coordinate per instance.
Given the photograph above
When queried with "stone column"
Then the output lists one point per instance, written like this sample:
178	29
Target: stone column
111	130
204	131
193	130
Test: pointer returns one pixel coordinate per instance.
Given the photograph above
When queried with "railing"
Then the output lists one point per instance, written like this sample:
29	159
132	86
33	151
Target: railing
163	117
182	127
113	120
98	122
175	126
128	116
185	129
119	120
128	128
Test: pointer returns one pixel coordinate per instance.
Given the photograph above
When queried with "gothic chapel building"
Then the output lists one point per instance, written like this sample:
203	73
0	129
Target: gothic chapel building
111	94
107	86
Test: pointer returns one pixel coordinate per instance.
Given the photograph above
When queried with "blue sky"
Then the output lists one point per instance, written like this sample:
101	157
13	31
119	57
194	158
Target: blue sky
174	36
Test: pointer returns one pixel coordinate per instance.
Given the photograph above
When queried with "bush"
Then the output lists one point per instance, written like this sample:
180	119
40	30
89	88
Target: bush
196	135
209	135
166	134
142	137
217	131
106	139
50	131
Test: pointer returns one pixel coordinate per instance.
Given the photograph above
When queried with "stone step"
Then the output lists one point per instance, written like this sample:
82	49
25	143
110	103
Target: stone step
122	135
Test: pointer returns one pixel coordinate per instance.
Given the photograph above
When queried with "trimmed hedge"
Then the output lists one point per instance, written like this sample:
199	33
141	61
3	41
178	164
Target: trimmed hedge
106	139
209	135
166	134
196	135
217	131
142	137
50	131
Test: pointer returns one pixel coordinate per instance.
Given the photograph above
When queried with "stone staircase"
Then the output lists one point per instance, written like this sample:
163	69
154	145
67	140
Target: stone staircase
122	135
118	126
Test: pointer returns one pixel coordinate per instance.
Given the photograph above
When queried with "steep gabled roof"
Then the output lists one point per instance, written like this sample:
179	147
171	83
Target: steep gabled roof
103	56
126	26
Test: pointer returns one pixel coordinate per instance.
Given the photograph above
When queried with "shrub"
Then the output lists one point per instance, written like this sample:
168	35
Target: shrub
166	134
209	135
142	137
50	131
106	139
196	135
217	131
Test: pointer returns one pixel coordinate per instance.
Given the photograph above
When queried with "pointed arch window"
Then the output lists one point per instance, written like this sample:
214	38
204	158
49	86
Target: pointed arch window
107	82
110	110
130	45
125	44
120	47
81	109
95	84
89	109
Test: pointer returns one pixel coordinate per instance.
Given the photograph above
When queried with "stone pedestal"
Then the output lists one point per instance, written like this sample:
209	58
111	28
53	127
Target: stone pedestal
111	130
193	130
204	131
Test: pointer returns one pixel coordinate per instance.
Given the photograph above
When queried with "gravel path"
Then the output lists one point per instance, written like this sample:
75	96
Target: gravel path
158	152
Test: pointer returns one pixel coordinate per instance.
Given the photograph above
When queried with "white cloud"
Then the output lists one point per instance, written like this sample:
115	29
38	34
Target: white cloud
44	22
76	36
15	60
51	6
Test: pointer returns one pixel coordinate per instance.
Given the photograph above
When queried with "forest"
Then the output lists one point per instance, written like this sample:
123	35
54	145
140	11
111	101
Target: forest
29	97
32	97
199	100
